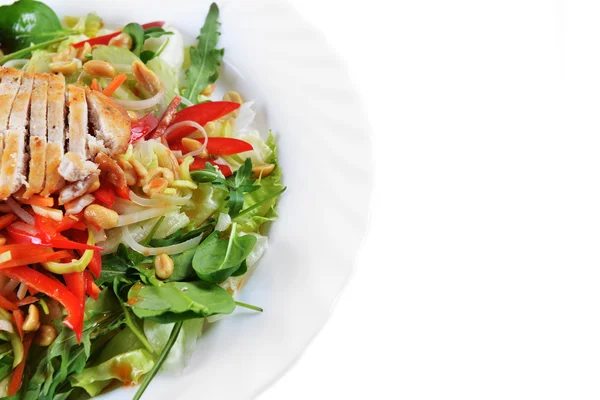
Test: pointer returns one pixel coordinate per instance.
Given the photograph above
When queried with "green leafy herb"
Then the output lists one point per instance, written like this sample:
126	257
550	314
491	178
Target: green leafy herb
155	32
177	301
24	52
160	361
217	259
240	183
137	37
205	58
147	55
25	22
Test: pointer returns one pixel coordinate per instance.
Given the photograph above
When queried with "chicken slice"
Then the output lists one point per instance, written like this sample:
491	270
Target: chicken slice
56	134
111	124
73	166
14	159
38	129
10	80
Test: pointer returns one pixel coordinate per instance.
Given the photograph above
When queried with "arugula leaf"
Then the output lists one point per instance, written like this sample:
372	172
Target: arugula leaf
205	58
137	37
217	259
176	301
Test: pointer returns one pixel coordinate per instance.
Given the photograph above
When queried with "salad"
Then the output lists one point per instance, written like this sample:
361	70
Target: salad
134	200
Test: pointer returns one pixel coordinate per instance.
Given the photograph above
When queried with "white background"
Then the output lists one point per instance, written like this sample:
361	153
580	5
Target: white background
479	278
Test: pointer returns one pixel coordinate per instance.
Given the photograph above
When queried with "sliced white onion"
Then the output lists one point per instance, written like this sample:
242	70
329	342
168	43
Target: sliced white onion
195	125
20	63
122	206
6	256
133	218
136	105
153	251
48	212
144	201
99	235
10	286
76	206
18	210
173	200
6	326
21	226
22	292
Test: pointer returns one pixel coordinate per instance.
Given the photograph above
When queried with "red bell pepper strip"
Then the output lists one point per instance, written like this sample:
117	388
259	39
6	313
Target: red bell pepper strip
34	259
95	266
55	290
200	163
106	38
122	192
166	119
202	114
91	288
76	284
48	234
19	317
142	127
27	300
7	304
105	194
219	146
17	378
6	220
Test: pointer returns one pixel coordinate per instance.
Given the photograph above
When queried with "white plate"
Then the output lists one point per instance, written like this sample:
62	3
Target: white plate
303	93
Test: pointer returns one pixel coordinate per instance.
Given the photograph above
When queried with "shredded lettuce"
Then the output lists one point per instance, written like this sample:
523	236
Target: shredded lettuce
184	347
206	201
167	75
39	62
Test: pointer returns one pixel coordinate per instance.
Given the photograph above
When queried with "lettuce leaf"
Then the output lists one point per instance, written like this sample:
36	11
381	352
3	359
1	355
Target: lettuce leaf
184	347
168	76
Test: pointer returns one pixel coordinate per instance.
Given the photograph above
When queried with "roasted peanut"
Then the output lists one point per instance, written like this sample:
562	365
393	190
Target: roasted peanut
83	51
189	145
45	335
64	67
146	78
67	54
101	216
100	68
233	97
122	40
262	170
94	185
163	266
159	172
128	170
139	169
210	89
114	173
32	321
156	185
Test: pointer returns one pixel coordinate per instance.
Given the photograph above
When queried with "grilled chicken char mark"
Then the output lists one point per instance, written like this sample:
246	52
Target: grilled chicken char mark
14	159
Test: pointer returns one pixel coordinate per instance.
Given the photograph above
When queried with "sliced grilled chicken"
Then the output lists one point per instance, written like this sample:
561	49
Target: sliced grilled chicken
14	159
73	166
10	80
56	134
38	129
111	124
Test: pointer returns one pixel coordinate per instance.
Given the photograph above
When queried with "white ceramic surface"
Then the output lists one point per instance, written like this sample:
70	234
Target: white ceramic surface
304	95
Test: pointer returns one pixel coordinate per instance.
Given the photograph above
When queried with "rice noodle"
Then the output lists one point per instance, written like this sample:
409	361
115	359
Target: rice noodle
18	210
195	125
135	217
136	105
153	251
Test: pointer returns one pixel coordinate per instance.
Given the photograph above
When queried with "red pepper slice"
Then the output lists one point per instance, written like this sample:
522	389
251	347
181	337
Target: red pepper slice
95	266
142	127
76	284
219	146
105	194
202	114
17	378
7	304
166	119
48	234
91	288
55	290
19	317
34	259
200	163
27	300
106	38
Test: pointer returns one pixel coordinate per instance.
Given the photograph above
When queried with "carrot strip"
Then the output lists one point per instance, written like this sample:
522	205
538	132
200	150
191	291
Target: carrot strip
34	259
17	378
38	200
7	304
19	317
6	220
94	85
114	84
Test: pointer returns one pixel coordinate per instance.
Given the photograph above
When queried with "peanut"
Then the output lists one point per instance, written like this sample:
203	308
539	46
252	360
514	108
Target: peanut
139	169
100	68
83	51
233	97
210	89
64	67
46	334
146	78
128	170
101	216
156	185
122	40
163	266
32	321
262	170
